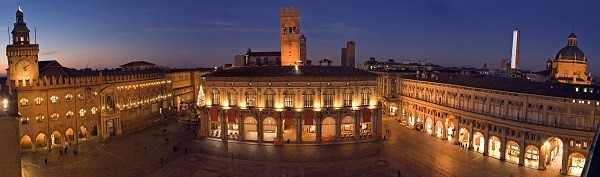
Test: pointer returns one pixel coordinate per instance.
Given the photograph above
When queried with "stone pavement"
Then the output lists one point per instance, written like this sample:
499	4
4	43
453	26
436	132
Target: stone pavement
411	152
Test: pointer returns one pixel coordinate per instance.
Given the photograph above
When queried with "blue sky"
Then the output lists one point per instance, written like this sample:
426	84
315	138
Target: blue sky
190	33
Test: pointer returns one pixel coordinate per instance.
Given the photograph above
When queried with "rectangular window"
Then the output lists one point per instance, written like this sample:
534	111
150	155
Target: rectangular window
365	99
289	101
270	100
215	98
232	99
308	101
250	100
328	100
347	99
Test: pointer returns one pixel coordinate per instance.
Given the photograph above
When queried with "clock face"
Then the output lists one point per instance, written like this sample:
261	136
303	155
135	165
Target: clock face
23	68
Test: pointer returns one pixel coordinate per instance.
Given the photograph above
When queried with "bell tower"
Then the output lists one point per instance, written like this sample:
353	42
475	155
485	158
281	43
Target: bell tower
290	37
22	55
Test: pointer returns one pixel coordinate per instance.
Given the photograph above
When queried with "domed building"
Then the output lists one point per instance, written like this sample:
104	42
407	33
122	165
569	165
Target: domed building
570	64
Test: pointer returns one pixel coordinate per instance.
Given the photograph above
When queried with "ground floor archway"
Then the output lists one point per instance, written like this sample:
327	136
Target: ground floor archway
56	139
26	143
429	125
250	129
575	164
269	129
450	132
40	141
494	147
463	137
69	135
328	129
111	128
347	128
94	130
290	130
478	142
411	119
439	129
532	157
82	132
512	152
553	150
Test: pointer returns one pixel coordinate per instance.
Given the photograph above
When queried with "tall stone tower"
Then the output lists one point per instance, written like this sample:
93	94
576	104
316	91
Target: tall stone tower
22	55
291	37
303	49
514	60
348	54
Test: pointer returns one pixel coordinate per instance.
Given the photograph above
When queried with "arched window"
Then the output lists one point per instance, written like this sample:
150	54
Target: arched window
232	98
288	98
68	97
24	120
129	103
250	98
215	97
94	110
53	99
328	98
54	116
39	118
366	94
24	102
82	112
348	97
80	96
38	100
69	114
269	98
308	98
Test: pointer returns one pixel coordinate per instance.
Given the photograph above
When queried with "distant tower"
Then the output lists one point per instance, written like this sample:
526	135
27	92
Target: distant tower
291	37
348	54
303	49
514	60
22	56
504	64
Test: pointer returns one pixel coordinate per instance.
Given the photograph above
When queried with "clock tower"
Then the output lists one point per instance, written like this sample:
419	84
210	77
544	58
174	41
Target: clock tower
22	55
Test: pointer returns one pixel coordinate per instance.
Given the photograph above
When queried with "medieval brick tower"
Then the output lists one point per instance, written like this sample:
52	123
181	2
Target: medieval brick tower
292	52
22	55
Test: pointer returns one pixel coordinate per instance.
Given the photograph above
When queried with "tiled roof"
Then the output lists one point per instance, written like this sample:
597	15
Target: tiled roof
137	63
288	71
513	85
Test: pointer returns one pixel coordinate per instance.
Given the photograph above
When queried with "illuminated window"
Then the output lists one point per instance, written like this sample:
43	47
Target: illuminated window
232	98
38	100
80	96
308	98
68	97
348	98
54	116
39	118
250	98
94	110
215	97
24	120
53	99
269	98
566	73
328	99
69	114
366	93
24	102
288	99
82	112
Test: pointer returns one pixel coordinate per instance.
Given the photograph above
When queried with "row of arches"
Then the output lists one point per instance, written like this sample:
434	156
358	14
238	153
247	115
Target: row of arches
56	138
294	130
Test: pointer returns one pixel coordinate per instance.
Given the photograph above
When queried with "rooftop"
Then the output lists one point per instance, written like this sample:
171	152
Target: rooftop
287	71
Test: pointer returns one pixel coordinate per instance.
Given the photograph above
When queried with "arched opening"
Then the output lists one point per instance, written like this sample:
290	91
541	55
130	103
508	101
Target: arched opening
70	135
450	132
82	135
56	139
94	130
463	138
411	119
429	125
439	129
40	141
575	164
289	127
553	149
233	129
512	152
269	129
26	143
250	129
532	156
348	128
308	127
494	147
111	127
478	142
328	129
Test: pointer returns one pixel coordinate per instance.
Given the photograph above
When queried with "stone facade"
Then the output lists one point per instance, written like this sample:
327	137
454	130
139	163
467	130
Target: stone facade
10	164
291	42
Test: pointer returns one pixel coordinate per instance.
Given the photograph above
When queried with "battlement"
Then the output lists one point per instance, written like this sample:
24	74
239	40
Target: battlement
22	50
65	81
290	11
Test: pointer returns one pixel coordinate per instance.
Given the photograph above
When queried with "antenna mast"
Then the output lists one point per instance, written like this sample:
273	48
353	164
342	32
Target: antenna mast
35	35
8	33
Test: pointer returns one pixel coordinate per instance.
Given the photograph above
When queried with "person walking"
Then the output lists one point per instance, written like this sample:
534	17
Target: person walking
46	161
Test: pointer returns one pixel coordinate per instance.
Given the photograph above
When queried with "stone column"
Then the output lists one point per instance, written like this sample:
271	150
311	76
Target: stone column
457	131
223	125
319	128
280	126
503	145
542	157
356	127
338	129
241	127
486	141
260	130
522	150
299	130
471	132
565	159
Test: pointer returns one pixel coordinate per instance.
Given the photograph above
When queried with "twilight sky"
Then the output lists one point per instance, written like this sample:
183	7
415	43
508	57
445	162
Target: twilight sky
193	33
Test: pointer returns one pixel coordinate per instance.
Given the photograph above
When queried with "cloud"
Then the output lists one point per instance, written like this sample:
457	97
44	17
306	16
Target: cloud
218	23
49	53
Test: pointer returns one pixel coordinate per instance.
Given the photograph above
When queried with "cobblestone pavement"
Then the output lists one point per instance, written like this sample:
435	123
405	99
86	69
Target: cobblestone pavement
409	152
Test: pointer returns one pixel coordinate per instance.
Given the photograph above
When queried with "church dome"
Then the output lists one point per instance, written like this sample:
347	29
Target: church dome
571	51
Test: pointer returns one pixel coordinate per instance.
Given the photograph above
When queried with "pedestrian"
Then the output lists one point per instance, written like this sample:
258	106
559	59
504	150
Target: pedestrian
399	175
167	139
66	150
165	130
161	160
75	152
46	161
145	148
60	151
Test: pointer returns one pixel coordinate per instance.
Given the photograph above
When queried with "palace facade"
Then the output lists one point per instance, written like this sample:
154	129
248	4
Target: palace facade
291	104
534	124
